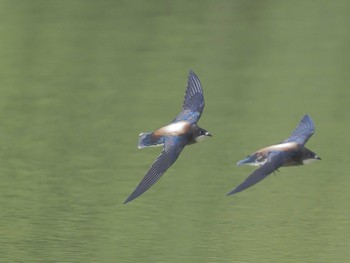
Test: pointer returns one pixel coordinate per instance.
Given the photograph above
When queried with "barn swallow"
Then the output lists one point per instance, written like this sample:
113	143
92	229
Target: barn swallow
182	131
289	152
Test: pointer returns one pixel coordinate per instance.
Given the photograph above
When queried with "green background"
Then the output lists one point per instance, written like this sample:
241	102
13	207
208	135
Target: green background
79	80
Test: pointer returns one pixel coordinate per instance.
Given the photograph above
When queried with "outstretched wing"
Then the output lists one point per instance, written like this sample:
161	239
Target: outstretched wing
275	160
172	149
303	132
193	104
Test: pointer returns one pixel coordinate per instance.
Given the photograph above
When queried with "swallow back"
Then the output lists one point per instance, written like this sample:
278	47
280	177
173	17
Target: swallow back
173	129
281	147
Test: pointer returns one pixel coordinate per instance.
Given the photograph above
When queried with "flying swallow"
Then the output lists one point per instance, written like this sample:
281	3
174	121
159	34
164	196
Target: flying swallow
182	131
289	152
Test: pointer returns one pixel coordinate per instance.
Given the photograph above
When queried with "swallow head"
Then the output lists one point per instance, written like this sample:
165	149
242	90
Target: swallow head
310	157
200	134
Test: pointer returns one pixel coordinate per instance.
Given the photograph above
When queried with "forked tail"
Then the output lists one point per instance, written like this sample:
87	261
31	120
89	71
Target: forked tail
147	140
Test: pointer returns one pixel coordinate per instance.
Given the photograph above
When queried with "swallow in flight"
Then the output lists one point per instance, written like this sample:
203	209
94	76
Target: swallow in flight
289	152
182	131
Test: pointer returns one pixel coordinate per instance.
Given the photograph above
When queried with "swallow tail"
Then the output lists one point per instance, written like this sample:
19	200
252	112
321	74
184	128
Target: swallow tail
250	160
149	140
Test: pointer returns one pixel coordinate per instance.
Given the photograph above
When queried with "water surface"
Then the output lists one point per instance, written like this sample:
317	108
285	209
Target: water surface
80	80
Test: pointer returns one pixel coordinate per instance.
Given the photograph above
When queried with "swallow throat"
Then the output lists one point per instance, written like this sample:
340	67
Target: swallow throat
201	138
308	161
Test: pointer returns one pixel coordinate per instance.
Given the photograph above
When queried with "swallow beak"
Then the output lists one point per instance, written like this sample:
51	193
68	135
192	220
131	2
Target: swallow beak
318	157
208	134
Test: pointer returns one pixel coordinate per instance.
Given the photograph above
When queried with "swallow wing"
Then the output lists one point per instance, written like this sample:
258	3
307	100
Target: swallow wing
193	104
275	160
172	149
303	132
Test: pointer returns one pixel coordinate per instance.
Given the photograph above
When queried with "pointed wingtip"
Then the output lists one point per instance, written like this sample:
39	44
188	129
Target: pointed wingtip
308	121
307	117
192	74
127	200
132	196
234	191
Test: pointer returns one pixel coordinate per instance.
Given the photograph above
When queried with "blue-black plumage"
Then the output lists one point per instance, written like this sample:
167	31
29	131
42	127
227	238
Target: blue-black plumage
182	131
289	152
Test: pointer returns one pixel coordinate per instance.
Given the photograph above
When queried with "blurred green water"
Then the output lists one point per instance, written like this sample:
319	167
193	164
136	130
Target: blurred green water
79	80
